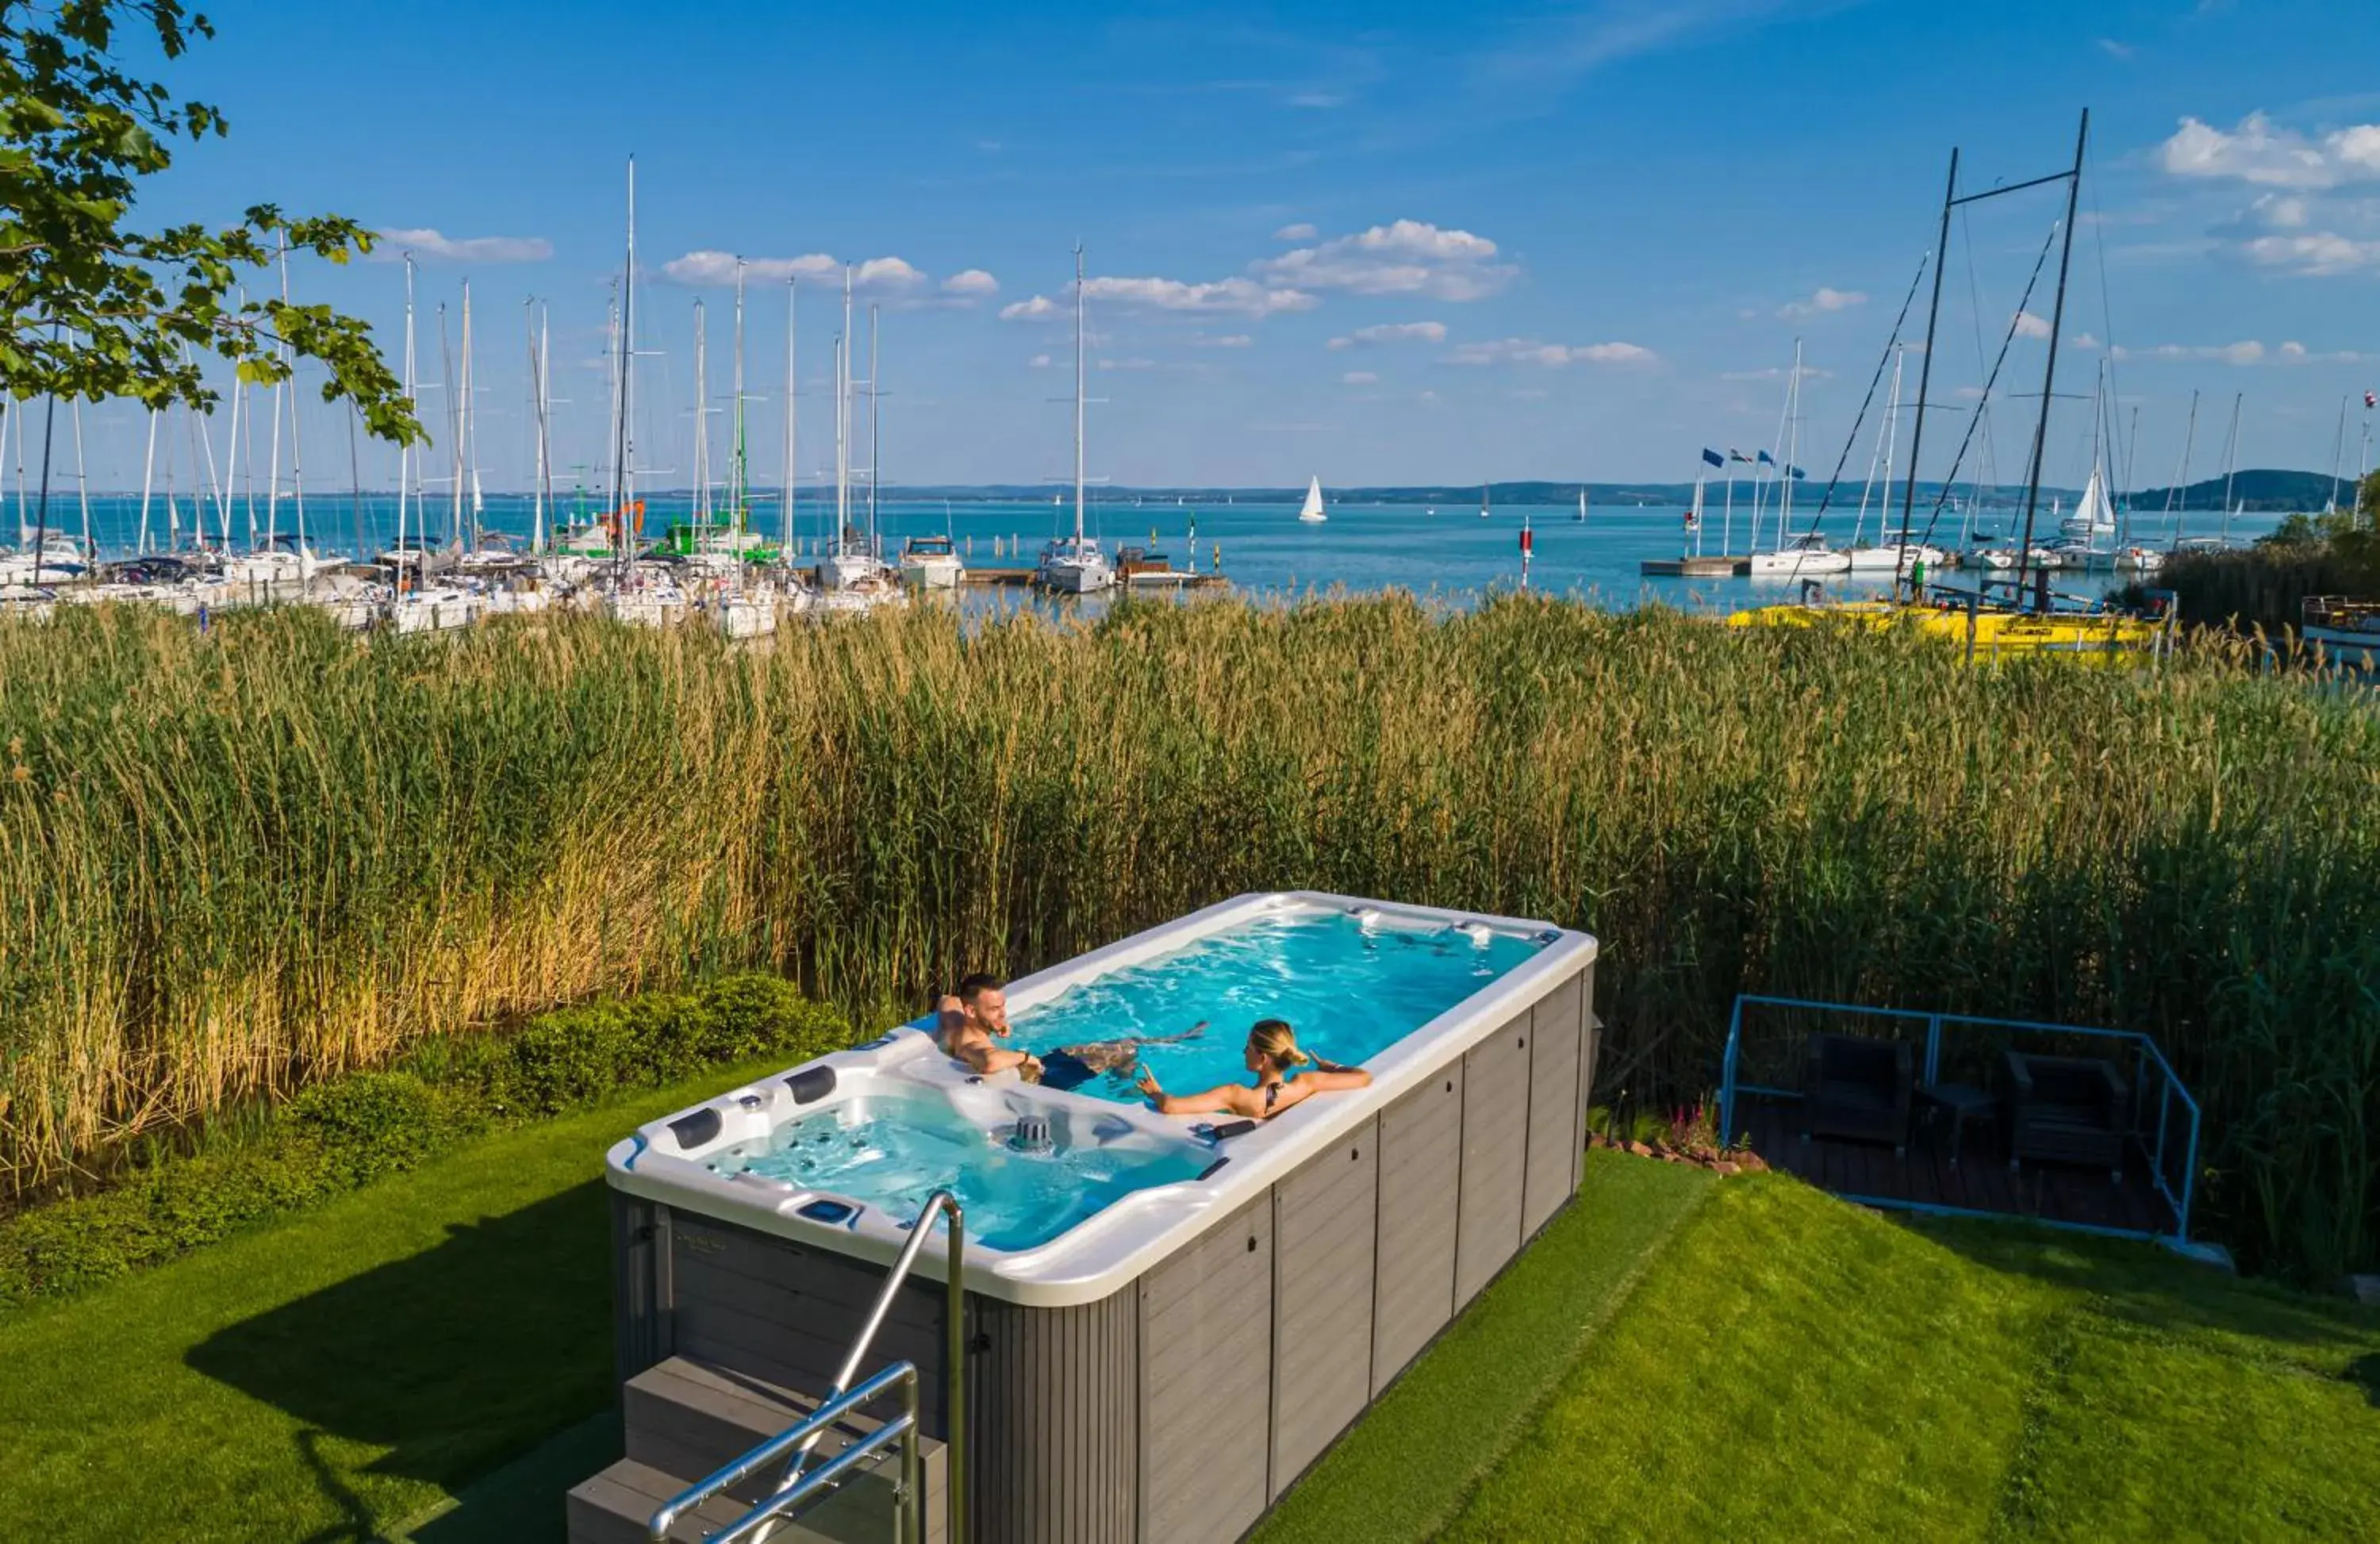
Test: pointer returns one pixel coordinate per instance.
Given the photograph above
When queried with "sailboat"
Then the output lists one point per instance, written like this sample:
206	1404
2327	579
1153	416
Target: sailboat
1075	565
1312	513
1582	505
1483	501
1895	557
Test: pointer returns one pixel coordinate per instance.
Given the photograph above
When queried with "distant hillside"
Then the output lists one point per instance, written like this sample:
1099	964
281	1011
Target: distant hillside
2264	492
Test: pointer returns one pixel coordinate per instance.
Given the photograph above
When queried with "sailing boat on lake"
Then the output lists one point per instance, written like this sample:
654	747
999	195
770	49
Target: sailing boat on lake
1076	565
1312	513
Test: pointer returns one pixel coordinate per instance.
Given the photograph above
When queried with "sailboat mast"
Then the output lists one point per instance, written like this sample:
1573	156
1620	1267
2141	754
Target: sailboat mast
624	439
736	467
147	474
1926	370
82	491
2178	502
2231	464
273	477
786	515
875	416
1792	446
1078	394
405	450
702	423
2050	370
842	417
537	429
296	460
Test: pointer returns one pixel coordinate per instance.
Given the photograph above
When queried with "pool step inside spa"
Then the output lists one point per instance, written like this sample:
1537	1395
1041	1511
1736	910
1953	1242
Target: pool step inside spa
684	1418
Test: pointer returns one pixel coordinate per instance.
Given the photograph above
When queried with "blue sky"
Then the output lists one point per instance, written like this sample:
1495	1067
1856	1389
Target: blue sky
1382	243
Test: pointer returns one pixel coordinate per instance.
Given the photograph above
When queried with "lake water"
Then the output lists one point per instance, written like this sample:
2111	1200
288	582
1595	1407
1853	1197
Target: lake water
1264	549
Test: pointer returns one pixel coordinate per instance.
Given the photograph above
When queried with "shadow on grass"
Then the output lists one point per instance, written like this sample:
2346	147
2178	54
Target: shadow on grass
2364	1372
2152	1286
449	1362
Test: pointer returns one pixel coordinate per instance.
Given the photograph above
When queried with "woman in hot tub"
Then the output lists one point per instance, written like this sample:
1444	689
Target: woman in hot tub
1272	1052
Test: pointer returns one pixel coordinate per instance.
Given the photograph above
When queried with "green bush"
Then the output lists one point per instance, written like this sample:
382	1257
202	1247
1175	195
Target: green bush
350	1131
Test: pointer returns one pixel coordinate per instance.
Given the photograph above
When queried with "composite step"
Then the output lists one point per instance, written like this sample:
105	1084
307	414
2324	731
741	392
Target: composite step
684	1418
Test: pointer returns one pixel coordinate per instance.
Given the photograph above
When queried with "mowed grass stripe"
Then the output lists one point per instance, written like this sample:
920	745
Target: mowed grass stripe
1406	1466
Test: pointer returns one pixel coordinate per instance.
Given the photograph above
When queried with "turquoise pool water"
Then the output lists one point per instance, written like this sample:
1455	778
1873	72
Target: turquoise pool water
895	1152
1349	990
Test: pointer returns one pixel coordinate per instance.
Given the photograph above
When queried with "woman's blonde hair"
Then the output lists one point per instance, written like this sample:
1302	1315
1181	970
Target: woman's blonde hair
1277	1042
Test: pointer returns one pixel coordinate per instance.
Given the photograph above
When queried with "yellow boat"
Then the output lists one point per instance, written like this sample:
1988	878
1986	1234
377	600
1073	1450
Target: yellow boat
1993	632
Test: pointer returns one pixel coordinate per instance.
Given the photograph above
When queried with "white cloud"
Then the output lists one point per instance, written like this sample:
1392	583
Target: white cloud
2309	233
1392	331
1407	257
2247	351
881	275
2083	341
1777	373
1127	364
2116	50
1821	301
971	282
1529	351
2031	326
2256	151
886	272
423	242
1318	99
1039	361
1229	340
1228	296
2317	253
1359	378
1298	232
1238	297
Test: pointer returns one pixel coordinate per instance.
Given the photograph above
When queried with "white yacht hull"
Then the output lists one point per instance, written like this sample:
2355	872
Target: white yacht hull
931	573
1799	565
1069	577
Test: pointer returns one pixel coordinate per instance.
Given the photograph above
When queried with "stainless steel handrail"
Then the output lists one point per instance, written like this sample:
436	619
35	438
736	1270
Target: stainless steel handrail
944	1202
902	1376
908	1512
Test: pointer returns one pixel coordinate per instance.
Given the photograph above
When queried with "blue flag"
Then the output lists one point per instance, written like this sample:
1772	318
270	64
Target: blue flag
1794	472
1768	460
1735	455
1714	457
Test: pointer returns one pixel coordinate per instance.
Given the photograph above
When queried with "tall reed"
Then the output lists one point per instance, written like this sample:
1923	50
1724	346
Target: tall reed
230	863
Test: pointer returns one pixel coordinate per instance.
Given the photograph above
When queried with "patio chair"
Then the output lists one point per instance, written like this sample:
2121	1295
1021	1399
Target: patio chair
2067	1110
1859	1089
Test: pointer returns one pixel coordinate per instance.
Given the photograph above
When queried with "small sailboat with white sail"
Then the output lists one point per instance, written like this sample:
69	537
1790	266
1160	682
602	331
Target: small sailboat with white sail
1311	512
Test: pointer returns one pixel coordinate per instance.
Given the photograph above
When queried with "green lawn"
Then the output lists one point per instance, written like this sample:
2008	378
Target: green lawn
1792	1368
1407	1465
327	1377
1678	1358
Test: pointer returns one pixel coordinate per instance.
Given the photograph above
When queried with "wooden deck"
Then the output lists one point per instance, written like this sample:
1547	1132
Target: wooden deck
1981	1181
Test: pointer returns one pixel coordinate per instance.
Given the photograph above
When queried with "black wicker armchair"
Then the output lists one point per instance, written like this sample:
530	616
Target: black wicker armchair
1859	1089
2067	1110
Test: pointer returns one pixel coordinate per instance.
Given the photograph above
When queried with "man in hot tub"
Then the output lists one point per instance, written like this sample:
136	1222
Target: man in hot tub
969	1019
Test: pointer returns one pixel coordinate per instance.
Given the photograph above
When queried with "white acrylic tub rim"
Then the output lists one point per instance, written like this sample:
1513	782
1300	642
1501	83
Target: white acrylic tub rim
665	1161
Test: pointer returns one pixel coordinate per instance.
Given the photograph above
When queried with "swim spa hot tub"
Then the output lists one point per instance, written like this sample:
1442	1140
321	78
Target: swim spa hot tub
1168	1319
